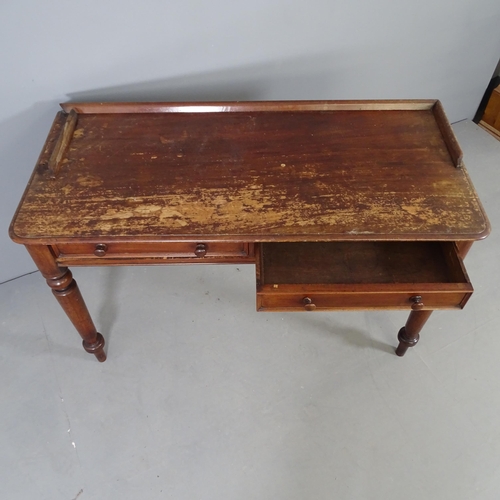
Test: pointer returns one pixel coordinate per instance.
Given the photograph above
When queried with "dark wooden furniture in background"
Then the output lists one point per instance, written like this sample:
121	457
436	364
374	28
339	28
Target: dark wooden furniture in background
341	204
490	119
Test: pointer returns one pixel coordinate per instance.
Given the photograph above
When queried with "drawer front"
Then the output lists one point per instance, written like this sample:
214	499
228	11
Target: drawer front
361	300
111	252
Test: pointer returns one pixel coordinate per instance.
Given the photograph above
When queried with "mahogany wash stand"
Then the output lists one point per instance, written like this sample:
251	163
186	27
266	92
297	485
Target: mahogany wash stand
340	204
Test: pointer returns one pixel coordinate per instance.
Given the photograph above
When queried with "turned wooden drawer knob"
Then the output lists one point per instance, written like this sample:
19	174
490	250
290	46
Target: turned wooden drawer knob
308	304
100	249
200	250
416	303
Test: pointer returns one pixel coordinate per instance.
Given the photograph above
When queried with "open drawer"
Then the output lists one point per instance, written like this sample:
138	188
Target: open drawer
360	275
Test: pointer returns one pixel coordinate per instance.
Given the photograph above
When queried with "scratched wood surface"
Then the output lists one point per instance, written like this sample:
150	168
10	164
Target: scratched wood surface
251	175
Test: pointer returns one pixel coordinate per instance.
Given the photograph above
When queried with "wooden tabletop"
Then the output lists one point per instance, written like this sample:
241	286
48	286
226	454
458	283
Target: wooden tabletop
255	171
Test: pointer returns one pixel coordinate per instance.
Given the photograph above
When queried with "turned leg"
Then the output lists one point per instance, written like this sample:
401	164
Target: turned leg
68	295
408	336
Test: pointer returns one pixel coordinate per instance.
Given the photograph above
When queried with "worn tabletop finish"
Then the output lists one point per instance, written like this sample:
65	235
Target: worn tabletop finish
251	173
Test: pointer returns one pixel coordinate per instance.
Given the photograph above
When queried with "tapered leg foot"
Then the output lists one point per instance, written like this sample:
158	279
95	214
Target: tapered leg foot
405	342
409	335
97	348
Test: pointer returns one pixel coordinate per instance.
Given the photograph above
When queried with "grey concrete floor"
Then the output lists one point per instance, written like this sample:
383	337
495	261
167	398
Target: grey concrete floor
203	398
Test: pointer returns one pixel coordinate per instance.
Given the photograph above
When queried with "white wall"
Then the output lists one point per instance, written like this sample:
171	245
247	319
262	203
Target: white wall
56	50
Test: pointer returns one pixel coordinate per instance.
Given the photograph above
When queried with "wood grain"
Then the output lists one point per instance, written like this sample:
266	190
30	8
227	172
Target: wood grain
361	262
448	135
249	106
348	171
62	143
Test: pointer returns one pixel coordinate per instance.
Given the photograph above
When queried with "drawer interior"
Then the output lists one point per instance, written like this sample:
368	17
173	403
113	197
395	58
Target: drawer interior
332	263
